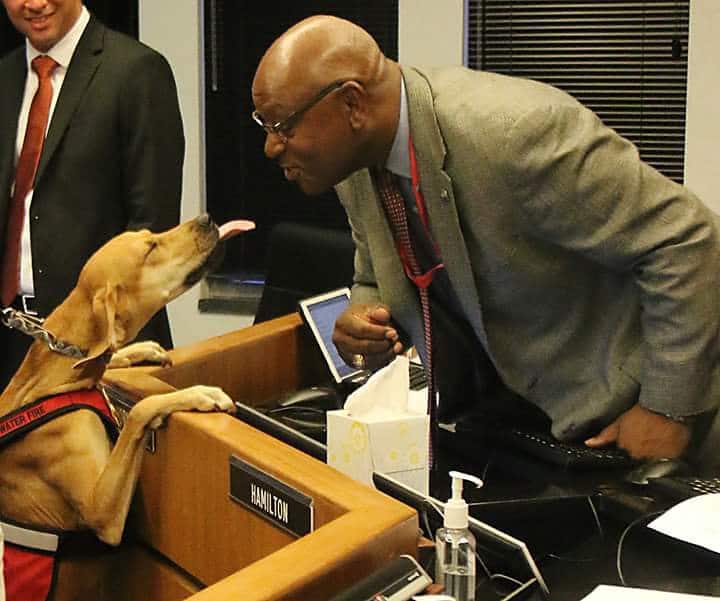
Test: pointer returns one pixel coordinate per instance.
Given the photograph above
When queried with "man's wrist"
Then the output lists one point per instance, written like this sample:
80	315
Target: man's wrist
686	420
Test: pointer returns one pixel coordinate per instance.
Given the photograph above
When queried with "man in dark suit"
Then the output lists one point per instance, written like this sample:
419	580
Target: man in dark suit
112	157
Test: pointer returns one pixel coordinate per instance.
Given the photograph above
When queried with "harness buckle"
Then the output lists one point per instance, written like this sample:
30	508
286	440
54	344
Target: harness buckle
27	301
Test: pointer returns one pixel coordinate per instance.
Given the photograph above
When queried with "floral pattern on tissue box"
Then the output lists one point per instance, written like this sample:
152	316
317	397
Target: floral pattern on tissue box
396	446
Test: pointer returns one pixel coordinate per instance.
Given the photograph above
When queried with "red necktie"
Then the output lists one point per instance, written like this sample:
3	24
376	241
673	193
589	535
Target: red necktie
25	175
394	206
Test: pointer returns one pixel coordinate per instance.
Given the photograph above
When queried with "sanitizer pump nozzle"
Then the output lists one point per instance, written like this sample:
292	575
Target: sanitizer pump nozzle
455	544
456	509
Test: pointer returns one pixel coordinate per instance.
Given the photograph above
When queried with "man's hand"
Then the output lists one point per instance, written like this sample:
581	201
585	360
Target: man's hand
365	330
644	434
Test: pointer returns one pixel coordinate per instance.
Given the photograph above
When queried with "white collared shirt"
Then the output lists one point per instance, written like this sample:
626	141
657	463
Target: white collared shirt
398	161
61	53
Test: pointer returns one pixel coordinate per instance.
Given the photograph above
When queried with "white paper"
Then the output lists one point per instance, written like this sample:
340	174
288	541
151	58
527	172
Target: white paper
695	521
605	592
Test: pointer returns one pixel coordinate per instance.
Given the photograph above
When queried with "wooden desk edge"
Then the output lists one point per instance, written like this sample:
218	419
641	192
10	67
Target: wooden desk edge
373	528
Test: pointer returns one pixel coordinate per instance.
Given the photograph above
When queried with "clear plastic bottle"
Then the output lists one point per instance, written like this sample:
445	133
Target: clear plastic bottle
455	545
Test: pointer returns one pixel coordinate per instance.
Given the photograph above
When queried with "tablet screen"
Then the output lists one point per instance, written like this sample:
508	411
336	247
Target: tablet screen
320	313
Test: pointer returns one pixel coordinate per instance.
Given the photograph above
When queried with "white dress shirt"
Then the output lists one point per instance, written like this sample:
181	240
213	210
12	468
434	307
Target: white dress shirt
398	161
61	53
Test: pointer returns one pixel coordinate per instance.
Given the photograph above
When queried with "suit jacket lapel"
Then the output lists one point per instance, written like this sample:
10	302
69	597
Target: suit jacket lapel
437	190
84	63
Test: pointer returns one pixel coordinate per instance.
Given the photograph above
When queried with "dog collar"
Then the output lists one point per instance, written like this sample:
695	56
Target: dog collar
32	326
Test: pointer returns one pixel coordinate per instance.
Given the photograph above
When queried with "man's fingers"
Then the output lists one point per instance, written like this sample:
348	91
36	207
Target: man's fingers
358	323
361	326
646	434
607	436
359	342
363	346
373	362
365	330
380	314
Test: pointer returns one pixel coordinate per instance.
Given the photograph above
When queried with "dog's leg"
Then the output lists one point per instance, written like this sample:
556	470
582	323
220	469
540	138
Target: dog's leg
139	352
105	505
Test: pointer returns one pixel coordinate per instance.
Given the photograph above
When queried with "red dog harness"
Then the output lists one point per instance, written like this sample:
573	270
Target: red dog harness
30	564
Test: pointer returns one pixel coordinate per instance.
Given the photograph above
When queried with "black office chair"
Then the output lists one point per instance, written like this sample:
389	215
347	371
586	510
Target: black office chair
303	260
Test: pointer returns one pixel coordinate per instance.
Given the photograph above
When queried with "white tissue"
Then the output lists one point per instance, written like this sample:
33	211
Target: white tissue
384	395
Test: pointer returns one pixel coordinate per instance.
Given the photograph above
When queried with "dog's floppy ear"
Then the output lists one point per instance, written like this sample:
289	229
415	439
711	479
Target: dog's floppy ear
110	329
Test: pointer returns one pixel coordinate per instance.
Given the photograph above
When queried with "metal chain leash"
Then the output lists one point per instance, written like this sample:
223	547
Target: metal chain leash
32	326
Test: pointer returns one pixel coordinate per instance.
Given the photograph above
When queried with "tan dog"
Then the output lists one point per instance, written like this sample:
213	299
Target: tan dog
66	474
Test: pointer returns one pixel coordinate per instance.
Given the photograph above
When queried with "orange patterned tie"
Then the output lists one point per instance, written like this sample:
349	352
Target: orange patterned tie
25	175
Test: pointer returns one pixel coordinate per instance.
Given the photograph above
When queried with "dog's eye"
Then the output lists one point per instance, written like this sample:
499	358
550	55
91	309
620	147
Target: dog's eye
151	246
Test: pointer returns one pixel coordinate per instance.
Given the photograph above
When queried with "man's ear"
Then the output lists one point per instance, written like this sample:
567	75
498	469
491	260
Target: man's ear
109	327
355	98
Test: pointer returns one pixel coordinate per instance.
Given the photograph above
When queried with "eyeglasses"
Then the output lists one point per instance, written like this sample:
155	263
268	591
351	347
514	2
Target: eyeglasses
281	128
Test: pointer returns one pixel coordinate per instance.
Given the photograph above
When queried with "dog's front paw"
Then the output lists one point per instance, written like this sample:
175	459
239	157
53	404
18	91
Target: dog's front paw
146	351
154	409
208	398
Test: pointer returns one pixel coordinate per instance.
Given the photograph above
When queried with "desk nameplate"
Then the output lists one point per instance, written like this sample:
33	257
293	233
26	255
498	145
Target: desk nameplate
280	504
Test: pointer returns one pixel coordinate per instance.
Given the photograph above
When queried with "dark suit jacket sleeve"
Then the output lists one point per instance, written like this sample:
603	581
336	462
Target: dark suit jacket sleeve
153	147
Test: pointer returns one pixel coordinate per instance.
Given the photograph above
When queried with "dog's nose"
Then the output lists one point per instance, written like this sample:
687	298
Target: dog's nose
205	220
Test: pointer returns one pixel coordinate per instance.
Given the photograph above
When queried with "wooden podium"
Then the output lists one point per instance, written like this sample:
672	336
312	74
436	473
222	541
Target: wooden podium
195	541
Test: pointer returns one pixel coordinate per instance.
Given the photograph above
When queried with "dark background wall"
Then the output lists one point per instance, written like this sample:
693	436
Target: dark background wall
241	182
9	38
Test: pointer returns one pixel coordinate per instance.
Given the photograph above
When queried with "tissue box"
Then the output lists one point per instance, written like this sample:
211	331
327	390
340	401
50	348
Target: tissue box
396	446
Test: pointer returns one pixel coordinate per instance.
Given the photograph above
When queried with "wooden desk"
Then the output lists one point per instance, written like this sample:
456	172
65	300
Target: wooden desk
200	537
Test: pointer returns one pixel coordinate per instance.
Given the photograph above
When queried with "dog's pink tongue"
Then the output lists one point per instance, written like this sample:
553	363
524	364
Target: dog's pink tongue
235	227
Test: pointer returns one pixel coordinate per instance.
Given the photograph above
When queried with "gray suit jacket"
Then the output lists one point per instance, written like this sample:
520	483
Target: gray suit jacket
112	158
590	279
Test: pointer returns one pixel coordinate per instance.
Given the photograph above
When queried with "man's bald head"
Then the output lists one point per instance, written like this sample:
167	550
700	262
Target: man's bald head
329	101
317	51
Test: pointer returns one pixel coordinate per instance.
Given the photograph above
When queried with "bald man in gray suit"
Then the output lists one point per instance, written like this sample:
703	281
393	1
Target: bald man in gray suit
582	280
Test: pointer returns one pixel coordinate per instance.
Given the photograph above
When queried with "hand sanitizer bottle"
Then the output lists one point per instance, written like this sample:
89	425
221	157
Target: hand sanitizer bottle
455	544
